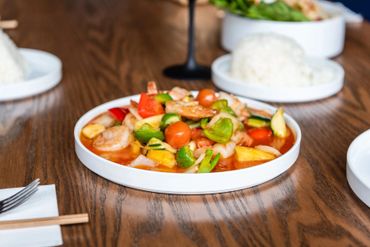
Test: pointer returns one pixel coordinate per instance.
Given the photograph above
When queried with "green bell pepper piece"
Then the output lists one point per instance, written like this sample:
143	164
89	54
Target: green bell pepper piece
221	131
208	164
162	97
169	118
146	132
185	157
222	106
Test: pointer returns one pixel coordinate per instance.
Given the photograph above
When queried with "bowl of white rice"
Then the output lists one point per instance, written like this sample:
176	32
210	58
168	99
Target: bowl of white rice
322	38
275	68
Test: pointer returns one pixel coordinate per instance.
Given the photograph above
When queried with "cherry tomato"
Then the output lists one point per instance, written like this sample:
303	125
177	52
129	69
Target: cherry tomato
206	97
260	133
178	134
148	106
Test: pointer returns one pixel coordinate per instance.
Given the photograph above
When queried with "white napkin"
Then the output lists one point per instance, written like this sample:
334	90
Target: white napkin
42	204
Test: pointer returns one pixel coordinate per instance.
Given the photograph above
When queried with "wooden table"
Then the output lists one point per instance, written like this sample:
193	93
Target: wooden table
109	50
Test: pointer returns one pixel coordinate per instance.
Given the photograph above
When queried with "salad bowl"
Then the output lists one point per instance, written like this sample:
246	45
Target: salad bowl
324	38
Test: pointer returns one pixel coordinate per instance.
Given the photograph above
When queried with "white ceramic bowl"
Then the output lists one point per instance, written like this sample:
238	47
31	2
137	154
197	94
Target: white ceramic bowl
44	72
222	79
358	167
318	38
180	183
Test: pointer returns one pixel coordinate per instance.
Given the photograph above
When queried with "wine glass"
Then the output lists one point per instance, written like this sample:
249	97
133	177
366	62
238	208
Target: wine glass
190	70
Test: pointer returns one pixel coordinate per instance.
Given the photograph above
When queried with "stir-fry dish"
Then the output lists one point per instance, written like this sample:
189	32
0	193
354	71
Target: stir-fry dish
279	10
175	131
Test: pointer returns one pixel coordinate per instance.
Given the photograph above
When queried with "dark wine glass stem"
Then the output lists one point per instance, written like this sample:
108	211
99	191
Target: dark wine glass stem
190	61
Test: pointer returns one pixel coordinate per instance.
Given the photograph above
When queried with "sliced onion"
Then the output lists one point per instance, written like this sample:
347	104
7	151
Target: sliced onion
194	168
200	151
134	112
268	149
142	160
130	121
226	150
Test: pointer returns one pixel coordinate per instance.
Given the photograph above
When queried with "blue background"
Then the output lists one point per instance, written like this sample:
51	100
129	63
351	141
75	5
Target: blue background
358	6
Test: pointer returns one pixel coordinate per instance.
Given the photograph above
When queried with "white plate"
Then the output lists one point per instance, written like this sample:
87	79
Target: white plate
317	38
358	166
44	72
222	79
183	183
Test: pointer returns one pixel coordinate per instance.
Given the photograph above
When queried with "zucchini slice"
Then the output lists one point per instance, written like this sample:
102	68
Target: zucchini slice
169	118
278	125
258	122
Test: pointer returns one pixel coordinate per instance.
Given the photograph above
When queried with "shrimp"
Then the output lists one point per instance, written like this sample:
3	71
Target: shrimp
242	138
178	93
152	88
104	119
113	139
191	110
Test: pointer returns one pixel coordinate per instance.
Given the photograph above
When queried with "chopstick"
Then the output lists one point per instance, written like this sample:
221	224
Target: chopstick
8	24
58	220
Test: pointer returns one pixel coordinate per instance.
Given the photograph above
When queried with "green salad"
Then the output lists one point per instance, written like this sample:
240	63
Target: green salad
277	11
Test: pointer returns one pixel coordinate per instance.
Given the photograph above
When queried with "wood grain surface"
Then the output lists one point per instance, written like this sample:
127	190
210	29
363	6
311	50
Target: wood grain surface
109	49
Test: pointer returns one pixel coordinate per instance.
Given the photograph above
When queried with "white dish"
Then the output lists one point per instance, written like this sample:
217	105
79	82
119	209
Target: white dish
223	80
318	38
358	167
44	72
184	183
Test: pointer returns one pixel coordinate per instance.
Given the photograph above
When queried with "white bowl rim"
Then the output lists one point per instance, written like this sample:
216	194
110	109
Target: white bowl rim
227	57
54	61
353	147
291	123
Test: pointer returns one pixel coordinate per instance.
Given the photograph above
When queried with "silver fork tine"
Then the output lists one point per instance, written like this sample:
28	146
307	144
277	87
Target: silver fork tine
22	192
19	197
30	186
19	201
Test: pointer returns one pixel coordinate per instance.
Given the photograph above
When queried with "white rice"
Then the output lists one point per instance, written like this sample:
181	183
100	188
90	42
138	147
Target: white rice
274	60
12	64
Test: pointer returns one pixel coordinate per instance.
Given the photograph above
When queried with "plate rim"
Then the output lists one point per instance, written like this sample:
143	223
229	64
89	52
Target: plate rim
356	183
35	86
335	86
352	151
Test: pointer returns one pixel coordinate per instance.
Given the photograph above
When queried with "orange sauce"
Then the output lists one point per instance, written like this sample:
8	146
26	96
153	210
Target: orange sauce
126	155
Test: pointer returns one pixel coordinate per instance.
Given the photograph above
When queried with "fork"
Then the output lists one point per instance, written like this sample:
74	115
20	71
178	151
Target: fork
19	197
